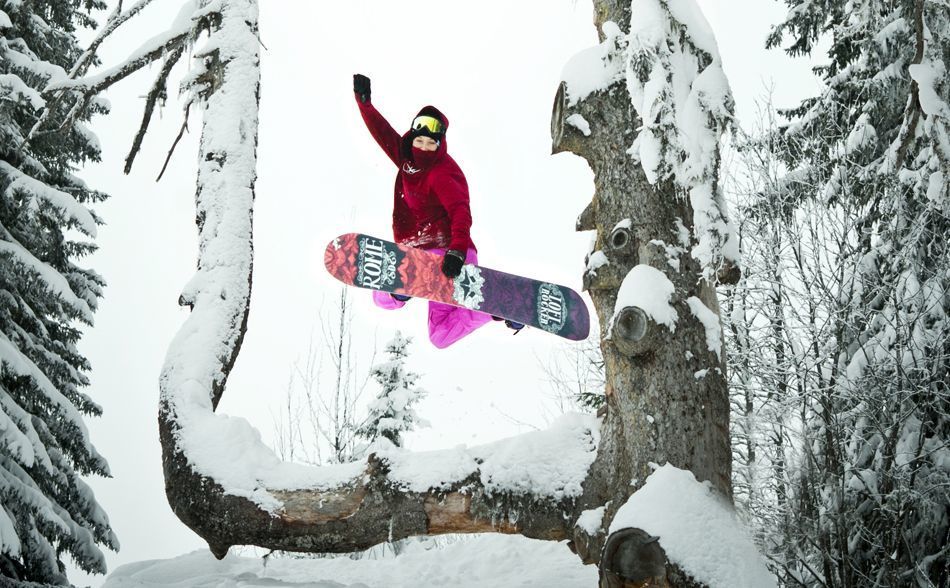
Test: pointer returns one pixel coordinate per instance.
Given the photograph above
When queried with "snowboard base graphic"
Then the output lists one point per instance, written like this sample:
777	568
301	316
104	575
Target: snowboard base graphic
377	264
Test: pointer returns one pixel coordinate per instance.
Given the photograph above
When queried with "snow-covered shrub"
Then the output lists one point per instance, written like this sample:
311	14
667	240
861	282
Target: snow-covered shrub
391	414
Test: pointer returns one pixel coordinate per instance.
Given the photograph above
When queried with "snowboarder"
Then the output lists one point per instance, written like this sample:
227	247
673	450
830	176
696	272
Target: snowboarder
430	208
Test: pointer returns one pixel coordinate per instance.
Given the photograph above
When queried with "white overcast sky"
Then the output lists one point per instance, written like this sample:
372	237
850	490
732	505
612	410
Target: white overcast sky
493	67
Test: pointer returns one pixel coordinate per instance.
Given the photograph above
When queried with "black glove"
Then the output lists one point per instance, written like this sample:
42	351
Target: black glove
361	87
452	263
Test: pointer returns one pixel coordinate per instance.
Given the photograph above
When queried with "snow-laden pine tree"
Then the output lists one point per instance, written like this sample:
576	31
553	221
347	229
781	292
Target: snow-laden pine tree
872	153
392	412
46	511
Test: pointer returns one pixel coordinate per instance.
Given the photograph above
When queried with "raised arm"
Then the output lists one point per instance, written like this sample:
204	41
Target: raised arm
379	127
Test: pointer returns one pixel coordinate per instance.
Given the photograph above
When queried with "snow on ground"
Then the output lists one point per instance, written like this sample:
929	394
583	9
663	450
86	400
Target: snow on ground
697	528
478	561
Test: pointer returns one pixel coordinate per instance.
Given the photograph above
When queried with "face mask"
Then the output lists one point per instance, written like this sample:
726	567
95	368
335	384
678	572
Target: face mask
424	159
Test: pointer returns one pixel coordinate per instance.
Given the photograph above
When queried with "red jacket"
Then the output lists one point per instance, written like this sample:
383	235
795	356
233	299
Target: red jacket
430	198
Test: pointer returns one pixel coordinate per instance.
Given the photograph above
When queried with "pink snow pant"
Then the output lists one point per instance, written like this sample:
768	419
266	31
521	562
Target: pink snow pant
447	323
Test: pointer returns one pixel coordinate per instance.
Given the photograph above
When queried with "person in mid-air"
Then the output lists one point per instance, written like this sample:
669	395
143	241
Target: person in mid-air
430	208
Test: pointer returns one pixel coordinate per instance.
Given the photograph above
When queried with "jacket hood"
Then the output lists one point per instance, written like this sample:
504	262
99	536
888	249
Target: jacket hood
431	157
435	113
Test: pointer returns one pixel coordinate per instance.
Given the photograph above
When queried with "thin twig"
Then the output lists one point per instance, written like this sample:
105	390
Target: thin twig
73	114
258	35
184	127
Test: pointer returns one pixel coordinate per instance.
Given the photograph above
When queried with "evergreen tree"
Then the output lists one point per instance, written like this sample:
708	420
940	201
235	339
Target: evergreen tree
47	510
392	413
874	150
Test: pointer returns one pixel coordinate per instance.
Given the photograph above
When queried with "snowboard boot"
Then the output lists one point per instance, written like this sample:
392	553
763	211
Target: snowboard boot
516	327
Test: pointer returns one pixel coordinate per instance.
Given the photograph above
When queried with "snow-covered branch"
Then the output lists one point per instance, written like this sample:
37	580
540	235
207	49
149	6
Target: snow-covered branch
244	495
115	20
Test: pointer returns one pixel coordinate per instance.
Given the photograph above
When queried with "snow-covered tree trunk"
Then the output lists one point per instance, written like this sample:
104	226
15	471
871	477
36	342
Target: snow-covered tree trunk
226	83
662	242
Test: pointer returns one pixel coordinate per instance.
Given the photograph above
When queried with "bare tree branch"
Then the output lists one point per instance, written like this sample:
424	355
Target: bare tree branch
158	90
181	132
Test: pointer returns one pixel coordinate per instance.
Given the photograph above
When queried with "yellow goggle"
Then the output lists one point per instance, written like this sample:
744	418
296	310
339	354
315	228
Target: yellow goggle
431	124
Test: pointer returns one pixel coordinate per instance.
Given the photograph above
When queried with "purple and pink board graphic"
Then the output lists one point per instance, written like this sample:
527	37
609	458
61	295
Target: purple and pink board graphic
377	264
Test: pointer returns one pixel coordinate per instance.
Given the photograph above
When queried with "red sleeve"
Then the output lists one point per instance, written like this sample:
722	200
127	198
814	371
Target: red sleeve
452	191
382	131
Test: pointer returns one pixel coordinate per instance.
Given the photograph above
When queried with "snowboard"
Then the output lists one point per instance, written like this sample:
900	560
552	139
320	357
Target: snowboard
377	264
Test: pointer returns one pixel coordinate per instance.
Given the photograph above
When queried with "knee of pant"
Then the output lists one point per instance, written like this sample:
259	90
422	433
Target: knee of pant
438	341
